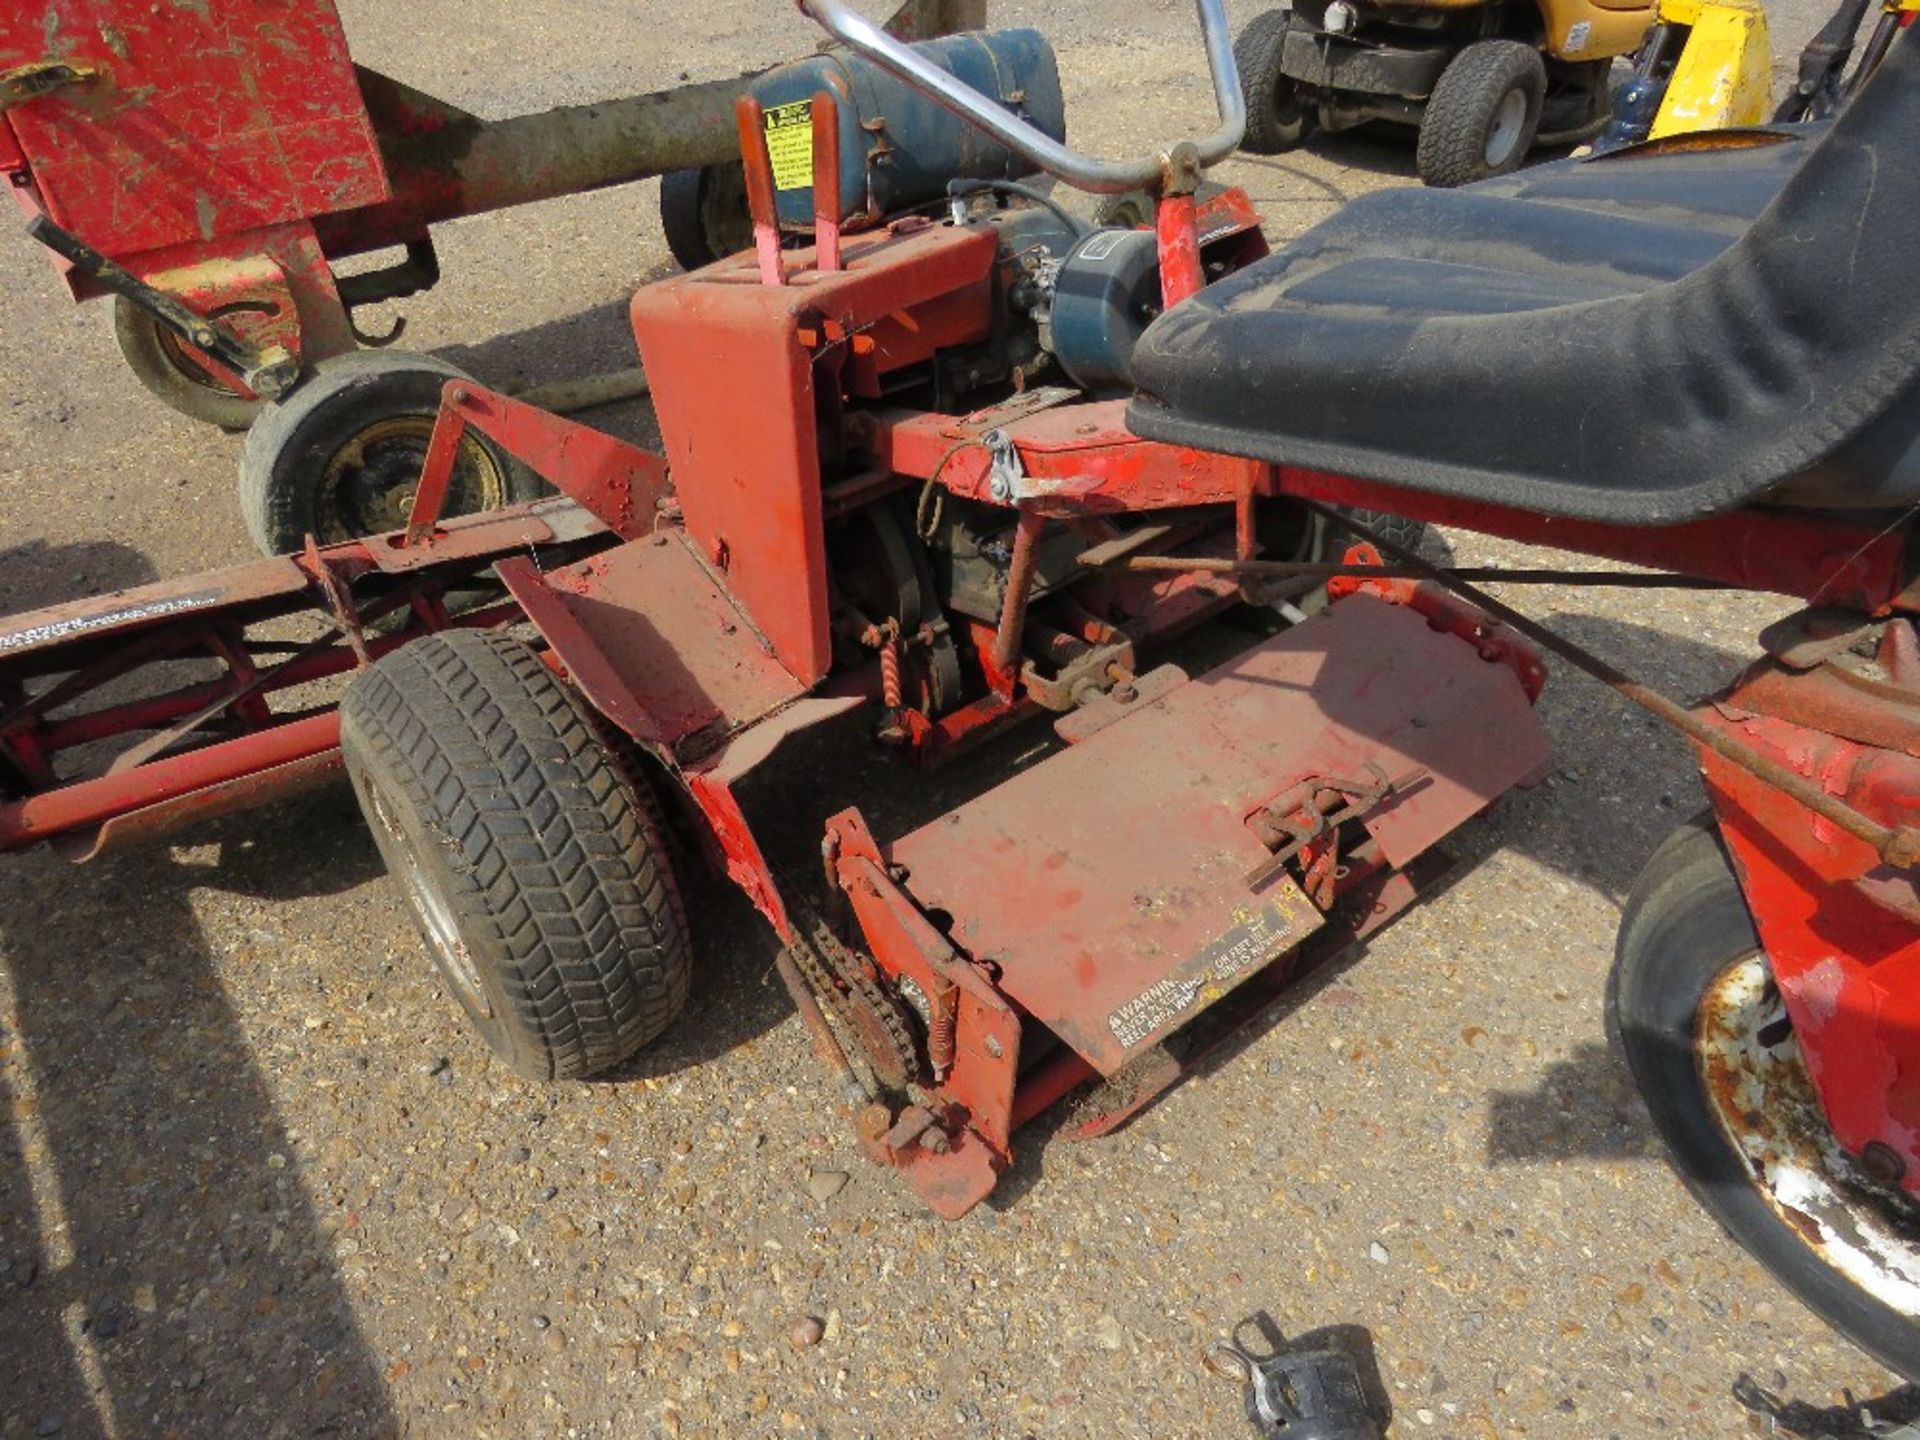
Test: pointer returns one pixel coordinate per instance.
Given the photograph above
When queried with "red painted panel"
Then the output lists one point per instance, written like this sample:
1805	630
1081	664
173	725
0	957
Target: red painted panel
660	647
1109	881
1841	930
208	117
732	363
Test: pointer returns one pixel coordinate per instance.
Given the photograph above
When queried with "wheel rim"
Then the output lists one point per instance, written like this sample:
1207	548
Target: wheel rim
185	361
174	351
431	912
1509	119
368	484
1757	1088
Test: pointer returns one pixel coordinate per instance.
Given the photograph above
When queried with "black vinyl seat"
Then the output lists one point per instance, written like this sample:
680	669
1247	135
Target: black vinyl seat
1643	339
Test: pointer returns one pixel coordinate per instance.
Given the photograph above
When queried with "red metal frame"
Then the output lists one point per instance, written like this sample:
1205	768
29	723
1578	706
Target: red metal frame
1824	558
1841	930
707	637
186	749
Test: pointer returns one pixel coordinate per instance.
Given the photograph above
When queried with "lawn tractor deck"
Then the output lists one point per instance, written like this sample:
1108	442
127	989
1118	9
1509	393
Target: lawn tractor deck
949	477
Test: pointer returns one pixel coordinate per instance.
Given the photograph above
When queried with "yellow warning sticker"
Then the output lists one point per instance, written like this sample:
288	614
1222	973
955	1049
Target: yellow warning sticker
790	144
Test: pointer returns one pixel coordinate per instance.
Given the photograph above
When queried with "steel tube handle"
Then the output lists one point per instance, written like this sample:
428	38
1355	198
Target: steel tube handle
1083	172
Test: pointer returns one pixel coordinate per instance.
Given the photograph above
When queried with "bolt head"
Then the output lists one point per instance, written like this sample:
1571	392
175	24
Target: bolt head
1883	1163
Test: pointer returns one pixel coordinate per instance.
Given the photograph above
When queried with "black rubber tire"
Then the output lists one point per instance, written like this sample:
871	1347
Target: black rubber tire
1398	528
1459	122
1685	922
492	796
1278	118
1288	531
704	214
1134	209
286	489
161	362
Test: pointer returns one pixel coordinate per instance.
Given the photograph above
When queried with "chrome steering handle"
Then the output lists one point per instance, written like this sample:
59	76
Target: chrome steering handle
1083	172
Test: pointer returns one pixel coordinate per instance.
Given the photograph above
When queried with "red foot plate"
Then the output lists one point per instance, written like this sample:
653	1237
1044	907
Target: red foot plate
1108	883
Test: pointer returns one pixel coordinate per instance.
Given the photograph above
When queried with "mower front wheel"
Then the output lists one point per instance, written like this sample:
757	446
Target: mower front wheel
1693	1005
1278	115
1483	115
533	862
341	456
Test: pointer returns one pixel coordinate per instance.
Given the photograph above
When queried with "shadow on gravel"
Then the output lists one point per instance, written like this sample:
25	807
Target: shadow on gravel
37	574
1622	780
165	1271
736	996
1867	1417
1585	1108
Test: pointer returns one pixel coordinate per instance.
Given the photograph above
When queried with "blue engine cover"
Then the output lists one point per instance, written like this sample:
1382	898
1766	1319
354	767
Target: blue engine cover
897	148
1107	293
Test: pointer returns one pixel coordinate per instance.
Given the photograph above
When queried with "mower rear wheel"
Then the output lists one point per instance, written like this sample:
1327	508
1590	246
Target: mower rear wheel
535	865
172	373
1278	116
1289	531
1695	1010
341	456
704	213
1483	115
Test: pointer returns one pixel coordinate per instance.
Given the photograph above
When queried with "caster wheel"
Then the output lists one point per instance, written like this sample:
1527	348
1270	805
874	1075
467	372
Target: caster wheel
533	862
339	458
1694	1007
172	372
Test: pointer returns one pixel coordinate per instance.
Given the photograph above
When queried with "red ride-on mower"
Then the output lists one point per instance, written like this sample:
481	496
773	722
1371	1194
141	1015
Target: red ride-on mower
984	485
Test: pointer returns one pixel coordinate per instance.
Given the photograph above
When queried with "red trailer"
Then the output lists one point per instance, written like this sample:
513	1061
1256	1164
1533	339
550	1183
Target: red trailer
223	156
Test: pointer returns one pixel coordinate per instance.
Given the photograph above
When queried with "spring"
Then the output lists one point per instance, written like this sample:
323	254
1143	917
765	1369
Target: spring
890	690
943	1004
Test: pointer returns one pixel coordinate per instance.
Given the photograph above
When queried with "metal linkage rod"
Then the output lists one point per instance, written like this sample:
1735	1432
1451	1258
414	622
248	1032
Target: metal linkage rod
1322	570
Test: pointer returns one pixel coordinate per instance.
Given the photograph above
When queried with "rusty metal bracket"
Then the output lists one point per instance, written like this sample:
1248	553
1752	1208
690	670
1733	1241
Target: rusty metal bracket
1318	806
269	373
346	622
41	77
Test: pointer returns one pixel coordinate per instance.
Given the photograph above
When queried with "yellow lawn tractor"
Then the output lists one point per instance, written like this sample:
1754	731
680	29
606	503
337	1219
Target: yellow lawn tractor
1707	65
1482	82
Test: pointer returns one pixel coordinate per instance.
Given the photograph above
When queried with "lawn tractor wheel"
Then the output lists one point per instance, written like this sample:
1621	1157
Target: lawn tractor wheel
166	365
704	213
1694	1007
1278	117
533	861
341	456
1481	118
1289	531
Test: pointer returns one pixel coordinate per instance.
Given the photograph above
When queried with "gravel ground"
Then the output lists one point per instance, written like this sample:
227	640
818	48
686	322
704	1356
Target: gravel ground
259	1181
